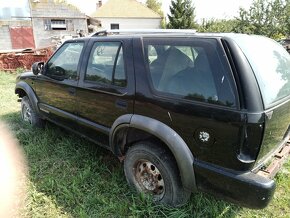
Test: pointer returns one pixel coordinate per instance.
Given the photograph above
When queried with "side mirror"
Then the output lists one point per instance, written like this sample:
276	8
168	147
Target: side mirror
37	67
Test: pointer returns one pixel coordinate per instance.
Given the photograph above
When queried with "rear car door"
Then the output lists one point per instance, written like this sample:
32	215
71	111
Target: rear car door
106	87
192	90
56	86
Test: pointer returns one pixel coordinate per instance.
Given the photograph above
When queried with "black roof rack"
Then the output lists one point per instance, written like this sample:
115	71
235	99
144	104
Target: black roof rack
142	31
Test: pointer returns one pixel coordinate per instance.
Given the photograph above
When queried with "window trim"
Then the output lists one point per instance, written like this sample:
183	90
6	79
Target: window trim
101	84
172	96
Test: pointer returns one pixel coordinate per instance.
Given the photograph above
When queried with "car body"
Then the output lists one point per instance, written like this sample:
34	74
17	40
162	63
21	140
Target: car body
202	112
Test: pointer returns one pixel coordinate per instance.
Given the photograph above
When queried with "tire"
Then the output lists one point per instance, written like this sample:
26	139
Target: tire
151	169
29	115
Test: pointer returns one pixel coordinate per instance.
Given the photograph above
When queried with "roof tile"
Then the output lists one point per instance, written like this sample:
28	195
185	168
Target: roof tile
124	9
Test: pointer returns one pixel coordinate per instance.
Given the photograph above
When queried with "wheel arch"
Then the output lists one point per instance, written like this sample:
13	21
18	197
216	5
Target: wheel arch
22	89
176	145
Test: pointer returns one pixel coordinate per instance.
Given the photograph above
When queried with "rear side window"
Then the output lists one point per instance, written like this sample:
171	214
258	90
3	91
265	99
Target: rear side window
271	65
106	64
192	69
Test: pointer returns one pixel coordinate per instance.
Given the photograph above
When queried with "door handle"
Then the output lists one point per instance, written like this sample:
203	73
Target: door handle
72	91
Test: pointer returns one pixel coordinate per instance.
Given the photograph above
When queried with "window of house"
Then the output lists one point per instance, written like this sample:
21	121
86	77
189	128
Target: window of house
58	24
115	26
106	64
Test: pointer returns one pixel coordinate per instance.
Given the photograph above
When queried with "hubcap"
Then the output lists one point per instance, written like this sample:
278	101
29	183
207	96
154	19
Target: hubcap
149	179
26	114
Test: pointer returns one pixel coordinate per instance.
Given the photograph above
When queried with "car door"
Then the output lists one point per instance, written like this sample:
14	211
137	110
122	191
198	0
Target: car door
106	87
195	94
56	86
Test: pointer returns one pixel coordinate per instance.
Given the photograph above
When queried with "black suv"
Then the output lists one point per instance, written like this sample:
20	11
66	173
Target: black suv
185	111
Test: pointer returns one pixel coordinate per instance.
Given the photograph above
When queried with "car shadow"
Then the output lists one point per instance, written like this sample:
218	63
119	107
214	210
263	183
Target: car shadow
80	178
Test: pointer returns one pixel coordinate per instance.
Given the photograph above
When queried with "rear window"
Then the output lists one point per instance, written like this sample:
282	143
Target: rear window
192	69
271	65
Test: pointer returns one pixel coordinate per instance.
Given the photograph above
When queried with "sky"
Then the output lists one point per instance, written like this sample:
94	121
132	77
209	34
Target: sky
14	8
219	9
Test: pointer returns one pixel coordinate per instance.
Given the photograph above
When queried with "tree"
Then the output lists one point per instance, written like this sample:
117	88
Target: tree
182	15
217	25
265	17
155	5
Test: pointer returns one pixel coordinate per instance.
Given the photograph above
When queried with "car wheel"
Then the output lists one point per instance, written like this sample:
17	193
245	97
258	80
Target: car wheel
29	115
151	169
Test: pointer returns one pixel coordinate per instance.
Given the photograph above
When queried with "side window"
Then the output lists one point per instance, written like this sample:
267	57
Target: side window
188	51
64	63
152	54
106	64
190	71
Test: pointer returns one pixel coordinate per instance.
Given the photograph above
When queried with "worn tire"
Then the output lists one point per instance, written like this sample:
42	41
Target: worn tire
150	168
29	115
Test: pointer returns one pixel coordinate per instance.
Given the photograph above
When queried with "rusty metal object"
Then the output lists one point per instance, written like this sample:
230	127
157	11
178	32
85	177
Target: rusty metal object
149	178
277	162
11	60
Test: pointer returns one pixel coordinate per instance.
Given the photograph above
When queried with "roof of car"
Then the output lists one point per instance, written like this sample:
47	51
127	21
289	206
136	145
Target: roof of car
137	33
132	32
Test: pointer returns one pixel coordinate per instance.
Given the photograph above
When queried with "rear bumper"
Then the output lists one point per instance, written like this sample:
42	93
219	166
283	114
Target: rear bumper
246	189
249	189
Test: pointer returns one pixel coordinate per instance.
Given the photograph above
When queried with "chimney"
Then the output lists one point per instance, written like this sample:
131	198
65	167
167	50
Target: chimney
99	4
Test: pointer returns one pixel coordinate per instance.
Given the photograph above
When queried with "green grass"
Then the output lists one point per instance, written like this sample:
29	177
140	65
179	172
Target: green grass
71	177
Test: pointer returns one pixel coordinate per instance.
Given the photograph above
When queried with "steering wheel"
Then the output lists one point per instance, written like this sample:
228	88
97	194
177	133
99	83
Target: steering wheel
59	71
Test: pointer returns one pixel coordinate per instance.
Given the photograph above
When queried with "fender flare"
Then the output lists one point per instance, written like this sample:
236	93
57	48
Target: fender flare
174	142
30	93
122	123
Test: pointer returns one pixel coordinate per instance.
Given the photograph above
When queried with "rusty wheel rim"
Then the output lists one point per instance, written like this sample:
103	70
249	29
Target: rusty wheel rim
149	179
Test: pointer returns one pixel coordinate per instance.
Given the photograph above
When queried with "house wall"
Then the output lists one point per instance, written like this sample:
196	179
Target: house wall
134	23
5	41
47	37
39	12
5	38
50	9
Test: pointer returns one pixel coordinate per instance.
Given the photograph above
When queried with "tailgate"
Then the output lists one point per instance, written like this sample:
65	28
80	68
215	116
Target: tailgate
277	129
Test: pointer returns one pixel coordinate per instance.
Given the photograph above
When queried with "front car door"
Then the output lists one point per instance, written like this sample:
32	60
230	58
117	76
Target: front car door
56	86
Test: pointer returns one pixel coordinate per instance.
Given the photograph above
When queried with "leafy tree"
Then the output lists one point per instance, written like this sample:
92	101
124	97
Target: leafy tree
217	25
265	17
155	5
182	15
284	18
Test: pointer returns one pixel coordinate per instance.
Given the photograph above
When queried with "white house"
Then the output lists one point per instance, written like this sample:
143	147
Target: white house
126	14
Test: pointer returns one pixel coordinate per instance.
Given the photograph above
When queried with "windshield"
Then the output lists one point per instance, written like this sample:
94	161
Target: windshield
271	65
